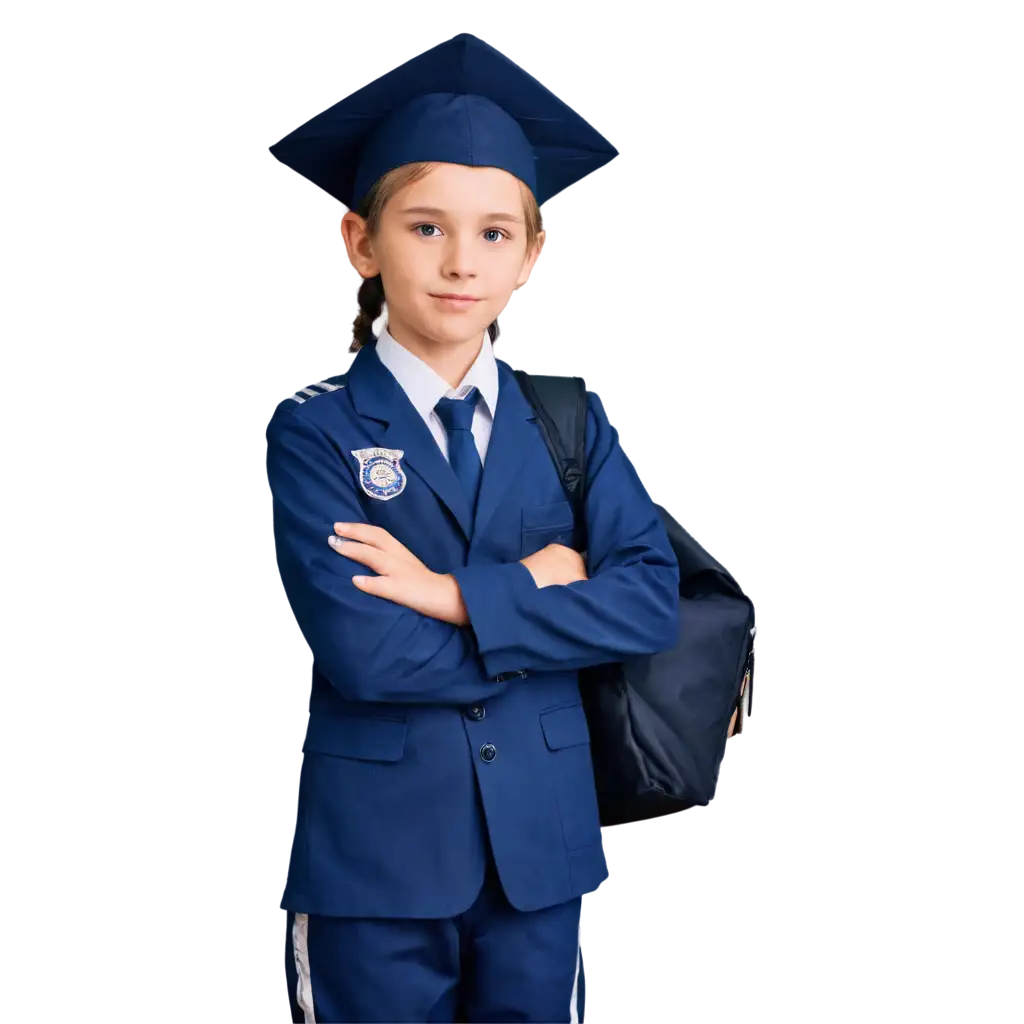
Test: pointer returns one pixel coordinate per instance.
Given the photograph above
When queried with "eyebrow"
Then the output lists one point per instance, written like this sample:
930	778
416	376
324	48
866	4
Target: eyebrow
434	211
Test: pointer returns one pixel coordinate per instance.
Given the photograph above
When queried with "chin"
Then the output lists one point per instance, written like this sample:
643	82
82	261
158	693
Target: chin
456	327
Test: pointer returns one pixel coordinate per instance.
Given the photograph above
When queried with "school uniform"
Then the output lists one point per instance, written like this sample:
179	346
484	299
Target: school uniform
447	823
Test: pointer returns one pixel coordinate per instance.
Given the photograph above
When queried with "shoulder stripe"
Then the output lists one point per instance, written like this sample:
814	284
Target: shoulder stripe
321	388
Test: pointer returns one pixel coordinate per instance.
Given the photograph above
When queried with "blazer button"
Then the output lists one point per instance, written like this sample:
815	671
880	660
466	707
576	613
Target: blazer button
476	712
488	751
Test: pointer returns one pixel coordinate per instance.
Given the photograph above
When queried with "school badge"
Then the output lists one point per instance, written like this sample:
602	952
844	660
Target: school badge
380	475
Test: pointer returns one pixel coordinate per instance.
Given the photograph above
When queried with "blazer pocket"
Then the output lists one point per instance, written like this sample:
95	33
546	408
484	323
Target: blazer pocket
565	727
545	524
362	738
571	773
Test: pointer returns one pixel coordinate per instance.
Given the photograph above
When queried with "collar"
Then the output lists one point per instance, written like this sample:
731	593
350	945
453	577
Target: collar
424	386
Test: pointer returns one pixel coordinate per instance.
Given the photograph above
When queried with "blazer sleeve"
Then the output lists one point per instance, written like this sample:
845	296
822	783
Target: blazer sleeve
370	648
628	606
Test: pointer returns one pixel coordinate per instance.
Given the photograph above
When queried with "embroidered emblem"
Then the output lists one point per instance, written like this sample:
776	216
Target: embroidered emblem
324	387
380	475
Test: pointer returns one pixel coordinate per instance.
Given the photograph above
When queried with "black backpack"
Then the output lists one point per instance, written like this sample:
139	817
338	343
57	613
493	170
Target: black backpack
659	723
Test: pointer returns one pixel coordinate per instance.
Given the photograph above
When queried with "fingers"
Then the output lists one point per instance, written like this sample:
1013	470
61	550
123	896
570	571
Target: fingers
366	533
571	565
555	564
373	558
379	586
376	536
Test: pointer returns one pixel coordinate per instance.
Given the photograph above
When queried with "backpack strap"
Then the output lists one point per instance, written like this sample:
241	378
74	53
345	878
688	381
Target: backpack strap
561	407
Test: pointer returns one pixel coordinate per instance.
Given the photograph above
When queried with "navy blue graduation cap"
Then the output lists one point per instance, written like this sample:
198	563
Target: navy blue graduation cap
461	102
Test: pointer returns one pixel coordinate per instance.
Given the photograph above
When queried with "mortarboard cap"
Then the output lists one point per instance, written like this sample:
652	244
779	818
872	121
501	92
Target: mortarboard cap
461	102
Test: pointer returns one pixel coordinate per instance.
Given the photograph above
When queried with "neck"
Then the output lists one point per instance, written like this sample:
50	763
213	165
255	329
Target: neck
449	360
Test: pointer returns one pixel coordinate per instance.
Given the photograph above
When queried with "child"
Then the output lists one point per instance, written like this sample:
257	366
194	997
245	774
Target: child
447	820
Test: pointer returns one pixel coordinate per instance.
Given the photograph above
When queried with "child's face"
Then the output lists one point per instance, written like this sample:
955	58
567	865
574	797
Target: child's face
458	229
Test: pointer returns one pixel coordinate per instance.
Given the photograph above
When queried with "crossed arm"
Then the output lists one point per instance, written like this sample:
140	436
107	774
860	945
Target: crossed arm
520	619
403	578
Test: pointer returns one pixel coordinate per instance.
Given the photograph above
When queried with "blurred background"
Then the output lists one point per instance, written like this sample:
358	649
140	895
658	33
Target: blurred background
798	293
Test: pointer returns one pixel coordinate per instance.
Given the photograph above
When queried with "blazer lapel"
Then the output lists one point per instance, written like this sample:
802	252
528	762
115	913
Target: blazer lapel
513	436
375	393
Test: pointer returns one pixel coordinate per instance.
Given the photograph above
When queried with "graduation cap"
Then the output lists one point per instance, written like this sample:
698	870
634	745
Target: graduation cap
461	102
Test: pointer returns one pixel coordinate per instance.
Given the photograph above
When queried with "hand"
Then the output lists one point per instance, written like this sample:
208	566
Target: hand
401	576
555	564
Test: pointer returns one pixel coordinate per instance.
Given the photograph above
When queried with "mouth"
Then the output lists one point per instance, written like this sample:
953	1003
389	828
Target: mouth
454	300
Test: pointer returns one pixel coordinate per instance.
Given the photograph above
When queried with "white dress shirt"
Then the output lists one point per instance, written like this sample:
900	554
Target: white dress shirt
425	386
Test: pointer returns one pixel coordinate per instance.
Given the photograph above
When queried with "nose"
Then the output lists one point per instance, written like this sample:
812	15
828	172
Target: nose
458	258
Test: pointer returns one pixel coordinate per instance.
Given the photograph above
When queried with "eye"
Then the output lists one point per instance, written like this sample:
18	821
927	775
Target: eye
495	231
434	226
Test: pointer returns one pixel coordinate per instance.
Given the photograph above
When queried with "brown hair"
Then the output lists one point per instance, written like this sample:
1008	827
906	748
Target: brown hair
371	292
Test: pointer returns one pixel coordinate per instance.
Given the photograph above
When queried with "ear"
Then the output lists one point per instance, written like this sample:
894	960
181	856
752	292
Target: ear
358	245
531	259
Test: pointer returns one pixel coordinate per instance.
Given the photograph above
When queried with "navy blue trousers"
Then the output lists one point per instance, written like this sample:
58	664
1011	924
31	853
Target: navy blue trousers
491	963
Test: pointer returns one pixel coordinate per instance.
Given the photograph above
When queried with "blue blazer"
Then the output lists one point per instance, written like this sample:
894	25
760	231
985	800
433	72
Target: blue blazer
425	738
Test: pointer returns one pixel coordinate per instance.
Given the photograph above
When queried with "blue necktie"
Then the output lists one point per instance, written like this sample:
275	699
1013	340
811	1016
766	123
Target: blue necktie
457	416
